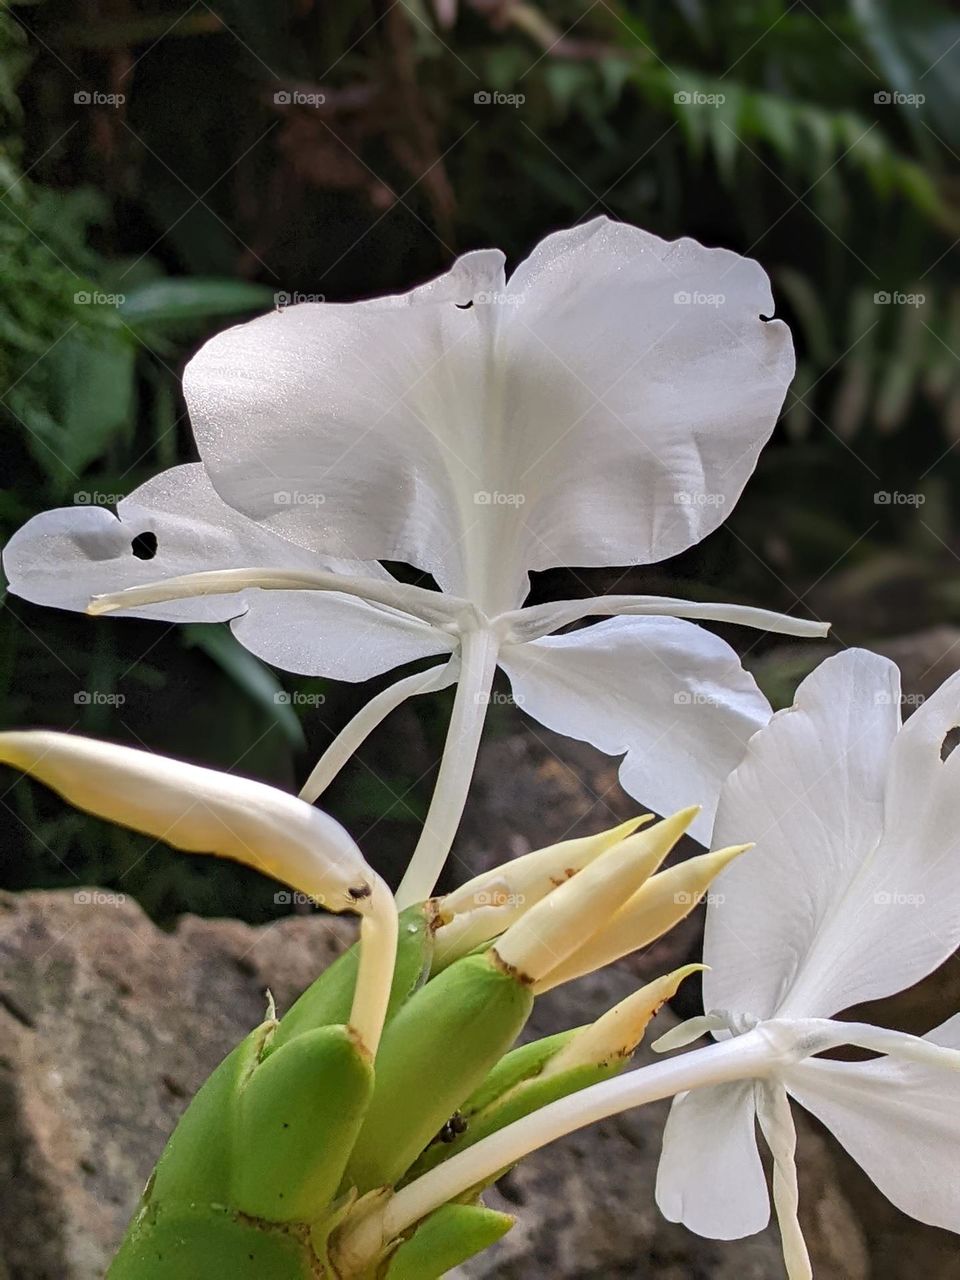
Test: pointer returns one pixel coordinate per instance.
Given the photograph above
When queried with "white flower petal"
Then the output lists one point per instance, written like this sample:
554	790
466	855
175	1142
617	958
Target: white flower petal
578	415
914	877
671	695
853	891
66	556
647	384
788	924
710	1177
900	1121
360	426
323	633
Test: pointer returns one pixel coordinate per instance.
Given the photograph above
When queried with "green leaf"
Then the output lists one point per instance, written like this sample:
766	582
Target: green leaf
169	302
247	671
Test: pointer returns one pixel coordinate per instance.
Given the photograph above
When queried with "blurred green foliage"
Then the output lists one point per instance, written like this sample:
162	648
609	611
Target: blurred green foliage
167	168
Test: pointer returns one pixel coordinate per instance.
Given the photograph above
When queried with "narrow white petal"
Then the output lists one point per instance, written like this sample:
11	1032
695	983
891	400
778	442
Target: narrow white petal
669	694
787	930
899	1120
352	736
710	1177
543	619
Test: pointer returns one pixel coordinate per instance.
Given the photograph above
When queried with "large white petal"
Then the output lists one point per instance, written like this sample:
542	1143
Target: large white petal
645	383
900	1122
361	425
787	925
671	695
710	1176
579	415
66	556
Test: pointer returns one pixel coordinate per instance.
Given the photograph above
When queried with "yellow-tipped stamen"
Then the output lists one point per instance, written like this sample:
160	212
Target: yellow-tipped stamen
652	911
487	905
565	919
200	811
618	1032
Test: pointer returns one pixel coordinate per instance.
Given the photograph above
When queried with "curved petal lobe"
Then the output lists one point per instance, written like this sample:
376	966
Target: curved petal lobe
671	695
900	1122
710	1177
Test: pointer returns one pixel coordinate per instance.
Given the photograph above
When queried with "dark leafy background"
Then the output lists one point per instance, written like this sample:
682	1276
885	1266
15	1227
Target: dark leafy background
206	191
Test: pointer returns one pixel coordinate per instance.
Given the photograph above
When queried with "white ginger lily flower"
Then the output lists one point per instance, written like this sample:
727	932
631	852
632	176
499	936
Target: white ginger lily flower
851	894
604	407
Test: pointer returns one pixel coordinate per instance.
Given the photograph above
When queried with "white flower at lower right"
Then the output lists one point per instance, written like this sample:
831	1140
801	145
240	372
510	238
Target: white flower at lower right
851	894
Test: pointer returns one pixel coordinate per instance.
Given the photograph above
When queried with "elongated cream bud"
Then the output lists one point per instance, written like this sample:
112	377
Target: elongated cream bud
201	811
651	912
487	905
565	919
618	1032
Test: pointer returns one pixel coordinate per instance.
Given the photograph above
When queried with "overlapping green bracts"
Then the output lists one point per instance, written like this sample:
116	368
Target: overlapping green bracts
254	1177
433	1055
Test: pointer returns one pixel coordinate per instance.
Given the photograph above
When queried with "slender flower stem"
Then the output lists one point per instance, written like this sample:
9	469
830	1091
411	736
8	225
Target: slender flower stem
356	731
432	607
541	620
776	1123
378	955
478	663
739	1058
